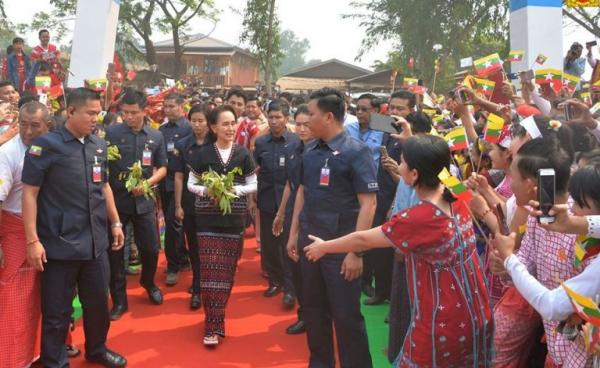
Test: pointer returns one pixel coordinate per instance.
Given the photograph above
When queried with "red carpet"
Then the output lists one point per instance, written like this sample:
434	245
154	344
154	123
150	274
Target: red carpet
170	335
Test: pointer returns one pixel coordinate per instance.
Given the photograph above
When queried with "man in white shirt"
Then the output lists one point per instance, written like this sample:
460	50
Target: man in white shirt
19	282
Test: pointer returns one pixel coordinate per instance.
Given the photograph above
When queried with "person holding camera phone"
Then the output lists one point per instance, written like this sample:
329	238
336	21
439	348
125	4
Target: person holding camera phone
574	64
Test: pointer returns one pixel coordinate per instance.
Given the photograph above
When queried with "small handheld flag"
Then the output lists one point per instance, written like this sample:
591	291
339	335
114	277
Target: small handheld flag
488	65
516	55
484	86
585	247
493	128
409	82
458	189
457	139
98	85
541	59
584	306
42	84
570	81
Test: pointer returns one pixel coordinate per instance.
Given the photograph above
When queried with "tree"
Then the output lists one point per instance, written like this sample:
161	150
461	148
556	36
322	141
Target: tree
415	26
588	18
137	18
177	16
261	32
293	50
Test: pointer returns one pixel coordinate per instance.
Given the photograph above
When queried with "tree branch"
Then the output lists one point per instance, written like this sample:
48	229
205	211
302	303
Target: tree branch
588	26
195	12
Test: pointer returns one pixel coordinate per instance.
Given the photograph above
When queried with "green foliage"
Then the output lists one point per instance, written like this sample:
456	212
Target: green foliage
112	152
135	178
220	187
588	18
293	50
256	34
462	27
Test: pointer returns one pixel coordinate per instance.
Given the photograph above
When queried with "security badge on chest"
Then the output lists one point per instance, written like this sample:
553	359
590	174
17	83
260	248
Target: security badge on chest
96	171
324	178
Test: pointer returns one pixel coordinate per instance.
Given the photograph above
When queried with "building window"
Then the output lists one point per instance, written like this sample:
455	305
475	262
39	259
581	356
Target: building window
211	66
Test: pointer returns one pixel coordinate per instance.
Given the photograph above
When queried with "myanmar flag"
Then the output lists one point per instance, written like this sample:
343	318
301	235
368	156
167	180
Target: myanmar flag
42	84
541	59
584	306
458	189
485	86
516	55
488	65
585	247
545	76
410	81
493	129
98	85
457	139
570	81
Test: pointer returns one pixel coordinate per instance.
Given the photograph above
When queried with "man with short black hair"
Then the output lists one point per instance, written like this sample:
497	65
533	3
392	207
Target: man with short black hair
237	99
137	142
173	130
19	65
48	53
18	281
377	262
9	93
65	230
402	103
336	196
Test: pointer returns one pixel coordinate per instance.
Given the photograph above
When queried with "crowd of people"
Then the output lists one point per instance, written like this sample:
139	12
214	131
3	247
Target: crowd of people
440	214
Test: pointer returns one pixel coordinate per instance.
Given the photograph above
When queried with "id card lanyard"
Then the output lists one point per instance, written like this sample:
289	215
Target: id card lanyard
146	157
324	178
96	171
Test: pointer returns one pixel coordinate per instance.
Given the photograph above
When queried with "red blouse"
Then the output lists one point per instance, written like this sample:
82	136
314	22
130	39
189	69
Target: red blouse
451	322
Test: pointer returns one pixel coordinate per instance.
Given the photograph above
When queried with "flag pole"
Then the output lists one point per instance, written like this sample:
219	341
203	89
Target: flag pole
434	79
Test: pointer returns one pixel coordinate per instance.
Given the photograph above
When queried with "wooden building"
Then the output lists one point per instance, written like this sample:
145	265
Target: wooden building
331	73
216	63
383	81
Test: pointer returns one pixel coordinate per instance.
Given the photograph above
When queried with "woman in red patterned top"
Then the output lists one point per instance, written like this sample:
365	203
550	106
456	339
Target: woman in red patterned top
451	316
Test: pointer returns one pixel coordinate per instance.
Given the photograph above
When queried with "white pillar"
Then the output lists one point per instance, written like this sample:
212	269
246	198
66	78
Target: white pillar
94	39
536	27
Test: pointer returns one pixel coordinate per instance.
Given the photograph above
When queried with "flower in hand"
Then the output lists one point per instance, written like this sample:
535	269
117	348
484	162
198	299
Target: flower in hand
315	250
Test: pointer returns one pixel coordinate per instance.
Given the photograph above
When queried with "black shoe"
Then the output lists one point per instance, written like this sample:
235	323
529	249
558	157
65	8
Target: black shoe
155	295
297	328
289	301
117	312
374	300
368	290
272	291
195	303
108	359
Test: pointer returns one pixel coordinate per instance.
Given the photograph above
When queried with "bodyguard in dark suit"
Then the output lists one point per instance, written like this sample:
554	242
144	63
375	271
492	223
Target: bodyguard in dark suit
336	197
137	142
66	200
173	130
270	156
378	263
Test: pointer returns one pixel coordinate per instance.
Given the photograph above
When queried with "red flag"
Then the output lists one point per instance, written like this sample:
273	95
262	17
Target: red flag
56	91
131	74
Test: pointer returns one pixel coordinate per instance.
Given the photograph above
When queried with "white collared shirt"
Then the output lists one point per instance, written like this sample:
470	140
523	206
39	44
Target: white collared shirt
12	154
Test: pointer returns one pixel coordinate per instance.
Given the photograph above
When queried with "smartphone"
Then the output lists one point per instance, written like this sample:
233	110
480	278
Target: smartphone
501	220
526	75
546	194
464	97
383	123
512	76
384	152
591	43
569	114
